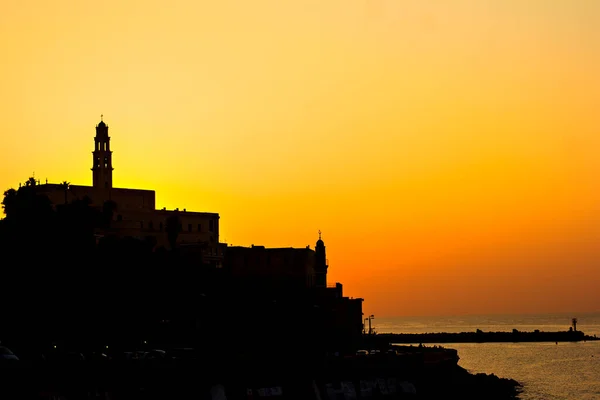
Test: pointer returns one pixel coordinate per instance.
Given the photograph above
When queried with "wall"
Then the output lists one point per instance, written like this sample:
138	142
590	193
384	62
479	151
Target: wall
196	228
277	263
136	215
126	199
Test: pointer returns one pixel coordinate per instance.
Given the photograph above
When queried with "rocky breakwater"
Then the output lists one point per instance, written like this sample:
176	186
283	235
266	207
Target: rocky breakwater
408	379
457	383
479	336
433	372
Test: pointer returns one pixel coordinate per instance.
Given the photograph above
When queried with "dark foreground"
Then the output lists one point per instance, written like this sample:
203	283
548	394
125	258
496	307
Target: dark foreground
482	337
375	376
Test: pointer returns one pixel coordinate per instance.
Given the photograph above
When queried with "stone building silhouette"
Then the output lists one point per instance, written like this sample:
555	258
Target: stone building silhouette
282	266
298	277
288	284
135	214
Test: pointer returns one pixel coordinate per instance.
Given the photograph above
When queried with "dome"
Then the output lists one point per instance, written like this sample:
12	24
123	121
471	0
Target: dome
101	124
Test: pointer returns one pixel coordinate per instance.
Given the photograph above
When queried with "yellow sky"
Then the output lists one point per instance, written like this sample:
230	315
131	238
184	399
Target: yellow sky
448	150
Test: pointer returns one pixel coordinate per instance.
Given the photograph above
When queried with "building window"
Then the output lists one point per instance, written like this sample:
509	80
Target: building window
105	146
199	227
98	145
151	225
180	227
189	227
160	226
98	162
210	225
105	162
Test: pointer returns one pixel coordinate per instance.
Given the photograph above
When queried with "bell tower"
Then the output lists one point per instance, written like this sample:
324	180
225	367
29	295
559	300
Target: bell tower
320	264
102	157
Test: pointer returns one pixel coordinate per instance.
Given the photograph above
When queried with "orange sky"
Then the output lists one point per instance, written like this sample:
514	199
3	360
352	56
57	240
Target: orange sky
448	150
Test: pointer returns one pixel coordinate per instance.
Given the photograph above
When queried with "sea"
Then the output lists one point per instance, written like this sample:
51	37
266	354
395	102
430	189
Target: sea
547	371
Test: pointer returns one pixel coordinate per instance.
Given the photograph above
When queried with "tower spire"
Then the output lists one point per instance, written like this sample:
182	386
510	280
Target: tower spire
102	157
320	263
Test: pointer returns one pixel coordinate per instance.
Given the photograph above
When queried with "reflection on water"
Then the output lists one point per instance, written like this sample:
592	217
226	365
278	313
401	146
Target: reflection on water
548	371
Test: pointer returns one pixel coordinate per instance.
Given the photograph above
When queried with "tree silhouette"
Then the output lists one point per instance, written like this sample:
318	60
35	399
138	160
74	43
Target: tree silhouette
31	182
65	187
9	203
34	236
56	258
26	205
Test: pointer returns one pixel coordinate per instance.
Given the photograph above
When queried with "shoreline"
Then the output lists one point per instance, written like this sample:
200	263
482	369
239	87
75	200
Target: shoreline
423	372
335	378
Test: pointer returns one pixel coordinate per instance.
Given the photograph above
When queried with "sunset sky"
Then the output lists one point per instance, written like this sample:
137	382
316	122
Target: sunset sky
448	150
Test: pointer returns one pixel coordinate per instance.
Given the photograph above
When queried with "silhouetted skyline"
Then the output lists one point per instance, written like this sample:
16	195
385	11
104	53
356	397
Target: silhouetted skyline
92	282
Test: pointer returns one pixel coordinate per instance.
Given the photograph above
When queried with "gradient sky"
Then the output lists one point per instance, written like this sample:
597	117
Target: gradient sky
448	150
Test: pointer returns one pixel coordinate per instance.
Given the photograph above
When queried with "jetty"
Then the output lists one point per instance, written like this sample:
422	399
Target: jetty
479	337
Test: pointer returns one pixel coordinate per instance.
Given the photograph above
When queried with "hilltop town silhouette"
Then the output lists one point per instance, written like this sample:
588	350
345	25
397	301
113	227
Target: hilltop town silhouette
99	268
105	295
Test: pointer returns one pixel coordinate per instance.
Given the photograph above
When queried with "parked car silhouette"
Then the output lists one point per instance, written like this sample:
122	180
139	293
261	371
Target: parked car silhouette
7	355
155	355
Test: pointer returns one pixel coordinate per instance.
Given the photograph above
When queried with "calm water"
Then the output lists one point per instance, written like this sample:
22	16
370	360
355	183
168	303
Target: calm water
548	371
